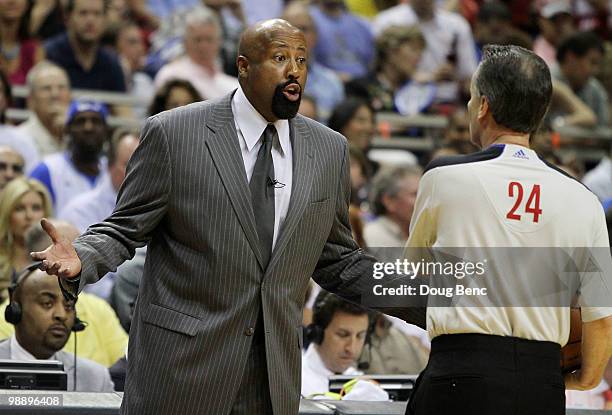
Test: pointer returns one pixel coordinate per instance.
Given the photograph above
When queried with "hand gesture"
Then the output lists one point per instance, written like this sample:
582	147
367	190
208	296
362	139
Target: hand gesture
60	258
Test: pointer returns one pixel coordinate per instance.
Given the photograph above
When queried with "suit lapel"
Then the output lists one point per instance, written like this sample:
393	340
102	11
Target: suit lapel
302	180
227	157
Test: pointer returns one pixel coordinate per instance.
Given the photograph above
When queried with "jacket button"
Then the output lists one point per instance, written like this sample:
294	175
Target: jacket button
249	331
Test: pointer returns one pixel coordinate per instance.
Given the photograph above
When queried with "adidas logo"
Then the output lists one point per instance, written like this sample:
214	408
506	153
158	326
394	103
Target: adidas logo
520	155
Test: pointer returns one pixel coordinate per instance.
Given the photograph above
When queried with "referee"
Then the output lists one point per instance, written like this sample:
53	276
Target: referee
505	360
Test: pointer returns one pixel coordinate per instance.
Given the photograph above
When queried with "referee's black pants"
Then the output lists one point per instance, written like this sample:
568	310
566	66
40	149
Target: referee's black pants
477	374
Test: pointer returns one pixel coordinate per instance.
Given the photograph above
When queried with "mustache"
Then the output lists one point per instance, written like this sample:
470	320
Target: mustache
289	82
59	326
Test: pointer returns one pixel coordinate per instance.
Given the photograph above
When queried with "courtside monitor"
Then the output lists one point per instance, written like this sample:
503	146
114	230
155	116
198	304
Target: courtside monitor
34	374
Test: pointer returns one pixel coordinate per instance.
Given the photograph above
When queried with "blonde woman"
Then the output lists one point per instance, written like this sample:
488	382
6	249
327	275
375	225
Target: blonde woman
22	203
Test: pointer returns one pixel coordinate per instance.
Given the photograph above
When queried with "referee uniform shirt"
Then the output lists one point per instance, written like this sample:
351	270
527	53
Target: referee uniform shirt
465	201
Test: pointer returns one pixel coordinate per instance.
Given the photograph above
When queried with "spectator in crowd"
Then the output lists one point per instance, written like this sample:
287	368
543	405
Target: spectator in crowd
46	19
337	335
450	57
354	119
11	165
566	109
599	179
494	26
202	40
393	352
234	18
18	51
43	320
23	202
323	84
131	48
556	23
97	204
392	196
398	53
78	169
308	107
117	13
579	58
9	136
174	93
104	341
79	52
48	101
345	42
167	42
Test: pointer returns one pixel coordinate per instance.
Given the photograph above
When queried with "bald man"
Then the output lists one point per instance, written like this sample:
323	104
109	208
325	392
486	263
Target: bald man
241	201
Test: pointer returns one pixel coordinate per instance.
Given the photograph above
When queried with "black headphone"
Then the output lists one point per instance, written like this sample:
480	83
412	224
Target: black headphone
325	306
13	311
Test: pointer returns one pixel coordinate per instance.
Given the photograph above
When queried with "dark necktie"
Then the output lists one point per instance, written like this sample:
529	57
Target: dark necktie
262	193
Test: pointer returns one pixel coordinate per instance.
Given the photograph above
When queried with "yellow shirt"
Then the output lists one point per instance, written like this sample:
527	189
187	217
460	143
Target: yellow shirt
103	341
365	8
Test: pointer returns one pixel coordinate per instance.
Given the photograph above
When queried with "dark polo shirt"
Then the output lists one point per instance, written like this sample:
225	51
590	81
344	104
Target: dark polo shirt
106	73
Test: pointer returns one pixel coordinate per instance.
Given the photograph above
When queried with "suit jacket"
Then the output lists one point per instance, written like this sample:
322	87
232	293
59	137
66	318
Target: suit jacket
91	376
187	196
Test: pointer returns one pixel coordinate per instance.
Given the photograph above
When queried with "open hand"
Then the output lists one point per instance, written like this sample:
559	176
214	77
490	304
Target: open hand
60	258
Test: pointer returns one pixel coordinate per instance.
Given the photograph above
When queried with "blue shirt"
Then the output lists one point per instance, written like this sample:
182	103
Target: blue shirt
164	8
105	74
345	43
63	181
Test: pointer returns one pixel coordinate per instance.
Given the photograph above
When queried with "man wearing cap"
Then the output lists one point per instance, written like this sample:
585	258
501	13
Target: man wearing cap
82	165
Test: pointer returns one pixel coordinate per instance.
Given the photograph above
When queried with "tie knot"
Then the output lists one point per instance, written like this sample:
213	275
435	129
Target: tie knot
268	134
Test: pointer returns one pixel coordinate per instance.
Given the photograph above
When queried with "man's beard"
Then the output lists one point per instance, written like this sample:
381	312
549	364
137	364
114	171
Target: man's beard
87	153
281	106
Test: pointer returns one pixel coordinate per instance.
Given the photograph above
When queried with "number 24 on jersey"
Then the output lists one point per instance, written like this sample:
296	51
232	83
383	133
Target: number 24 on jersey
515	191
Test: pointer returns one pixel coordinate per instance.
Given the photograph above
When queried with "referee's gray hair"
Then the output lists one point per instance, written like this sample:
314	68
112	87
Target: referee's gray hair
38	68
202	15
386	183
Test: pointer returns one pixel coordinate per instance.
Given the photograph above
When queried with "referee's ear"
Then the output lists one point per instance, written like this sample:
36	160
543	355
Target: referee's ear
483	108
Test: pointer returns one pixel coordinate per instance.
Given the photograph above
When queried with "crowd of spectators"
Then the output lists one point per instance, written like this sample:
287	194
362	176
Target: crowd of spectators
77	78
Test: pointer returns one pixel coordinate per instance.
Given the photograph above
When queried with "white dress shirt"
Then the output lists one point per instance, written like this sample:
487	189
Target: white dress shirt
315	375
209	85
19	353
250	125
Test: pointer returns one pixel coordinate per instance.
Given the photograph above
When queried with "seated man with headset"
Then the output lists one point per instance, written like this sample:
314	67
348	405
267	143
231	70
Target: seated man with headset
337	335
43	320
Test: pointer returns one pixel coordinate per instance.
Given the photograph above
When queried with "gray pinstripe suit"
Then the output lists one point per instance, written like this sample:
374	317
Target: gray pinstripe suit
204	285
